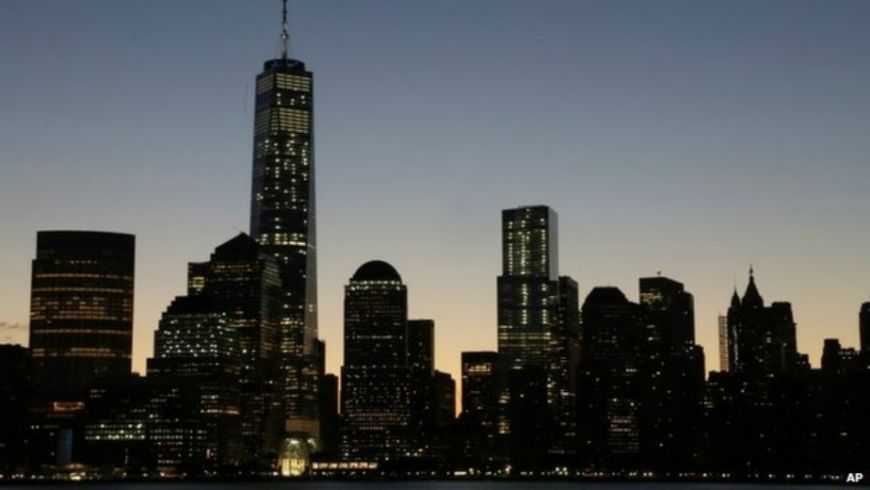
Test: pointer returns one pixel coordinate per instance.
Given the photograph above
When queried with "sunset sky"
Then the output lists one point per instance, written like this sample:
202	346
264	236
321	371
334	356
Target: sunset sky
688	137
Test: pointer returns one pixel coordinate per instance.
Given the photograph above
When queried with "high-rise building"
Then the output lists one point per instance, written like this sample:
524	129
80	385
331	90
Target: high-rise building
376	379
480	386
724	362
329	417
563	372
674	387
283	221
864	325
15	389
81	309
421	346
478	421
761	338
242	285
527	288
668	305
613	370
197	348
538	323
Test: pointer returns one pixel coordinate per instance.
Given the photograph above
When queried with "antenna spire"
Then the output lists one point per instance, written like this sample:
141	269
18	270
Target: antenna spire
285	36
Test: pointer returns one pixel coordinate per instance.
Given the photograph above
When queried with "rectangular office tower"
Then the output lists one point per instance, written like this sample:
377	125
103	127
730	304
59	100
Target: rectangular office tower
283	223
376	379
527	287
81	309
538	329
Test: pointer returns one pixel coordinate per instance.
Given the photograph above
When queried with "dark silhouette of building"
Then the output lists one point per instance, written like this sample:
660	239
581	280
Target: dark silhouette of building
329	416
761	338
758	414
243	285
564	371
197	348
614	367
437	438
441	401
283	222
537	327
421	346
864	331
839	360
478	422
16	384
81	309
672	417
671	309
532	421
377	391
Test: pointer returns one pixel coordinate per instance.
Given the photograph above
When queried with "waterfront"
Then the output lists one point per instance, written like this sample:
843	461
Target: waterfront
427	485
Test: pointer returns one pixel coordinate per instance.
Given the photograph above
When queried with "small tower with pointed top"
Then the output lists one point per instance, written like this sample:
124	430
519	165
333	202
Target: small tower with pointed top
761	339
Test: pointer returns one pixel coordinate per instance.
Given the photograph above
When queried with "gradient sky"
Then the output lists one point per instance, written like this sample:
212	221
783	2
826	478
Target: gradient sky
690	137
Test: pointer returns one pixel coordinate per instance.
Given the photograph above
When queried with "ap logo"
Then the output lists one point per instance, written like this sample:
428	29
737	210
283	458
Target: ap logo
854	477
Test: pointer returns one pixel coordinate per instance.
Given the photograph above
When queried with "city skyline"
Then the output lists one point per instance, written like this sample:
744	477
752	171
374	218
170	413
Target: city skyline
447	249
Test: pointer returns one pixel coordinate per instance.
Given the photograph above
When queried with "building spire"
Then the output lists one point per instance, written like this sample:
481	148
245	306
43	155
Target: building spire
285	36
752	296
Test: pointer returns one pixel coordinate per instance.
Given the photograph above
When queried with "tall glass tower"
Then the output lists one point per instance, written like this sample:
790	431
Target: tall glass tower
527	287
283	221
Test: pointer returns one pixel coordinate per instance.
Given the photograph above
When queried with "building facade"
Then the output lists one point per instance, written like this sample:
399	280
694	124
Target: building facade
197	348
614	367
243	285
81	309
283	222
538	326
376	378
761	339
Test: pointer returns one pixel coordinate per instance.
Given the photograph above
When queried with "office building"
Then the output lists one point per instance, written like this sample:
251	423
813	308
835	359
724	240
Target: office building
81	309
376	378
283	222
197	348
613	370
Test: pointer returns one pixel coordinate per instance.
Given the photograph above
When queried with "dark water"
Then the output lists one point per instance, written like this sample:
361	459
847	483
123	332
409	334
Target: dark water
440	485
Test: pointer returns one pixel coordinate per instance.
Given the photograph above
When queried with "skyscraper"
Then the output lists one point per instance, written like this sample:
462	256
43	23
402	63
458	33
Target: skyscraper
81	309
670	307
478	421
421	346
864	325
538	325
283	221
242	286
376	391
527	291
197	348
672	416
613	368
761	338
